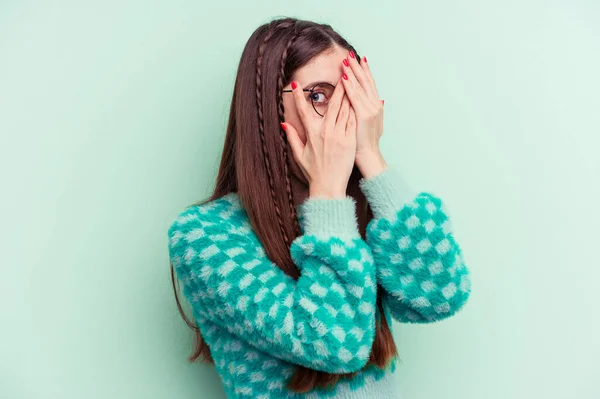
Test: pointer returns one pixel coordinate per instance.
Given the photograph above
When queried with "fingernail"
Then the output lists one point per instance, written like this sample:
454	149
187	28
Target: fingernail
382	101
352	54
365	59
346	62
294	85
345	76
283	126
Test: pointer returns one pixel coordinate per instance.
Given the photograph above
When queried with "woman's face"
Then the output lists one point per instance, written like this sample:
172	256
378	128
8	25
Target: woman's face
326	67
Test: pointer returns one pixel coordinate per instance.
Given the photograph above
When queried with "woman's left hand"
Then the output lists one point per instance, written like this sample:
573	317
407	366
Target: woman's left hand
361	90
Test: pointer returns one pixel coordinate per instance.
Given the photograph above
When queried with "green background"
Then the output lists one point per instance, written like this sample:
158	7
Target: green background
112	116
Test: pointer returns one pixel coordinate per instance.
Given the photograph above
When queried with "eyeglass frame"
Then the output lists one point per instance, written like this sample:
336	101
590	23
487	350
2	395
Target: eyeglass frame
311	91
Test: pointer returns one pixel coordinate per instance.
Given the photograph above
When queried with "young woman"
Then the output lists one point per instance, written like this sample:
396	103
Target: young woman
311	242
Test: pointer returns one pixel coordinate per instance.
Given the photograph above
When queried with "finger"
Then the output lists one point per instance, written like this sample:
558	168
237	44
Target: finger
367	72
333	107
351	123
363	81
342	118
301	104
357	98
294	139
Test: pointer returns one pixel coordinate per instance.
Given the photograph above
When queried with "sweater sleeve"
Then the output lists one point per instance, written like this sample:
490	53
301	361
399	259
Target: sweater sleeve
419	263
324	320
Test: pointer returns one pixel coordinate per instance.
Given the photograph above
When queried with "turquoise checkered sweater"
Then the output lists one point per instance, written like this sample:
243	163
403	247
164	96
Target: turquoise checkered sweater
260	323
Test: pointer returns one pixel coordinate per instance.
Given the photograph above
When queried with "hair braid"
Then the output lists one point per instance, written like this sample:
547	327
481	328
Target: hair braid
281	111
261	125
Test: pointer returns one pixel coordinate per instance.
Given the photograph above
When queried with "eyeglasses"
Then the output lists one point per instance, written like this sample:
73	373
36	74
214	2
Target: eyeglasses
319	96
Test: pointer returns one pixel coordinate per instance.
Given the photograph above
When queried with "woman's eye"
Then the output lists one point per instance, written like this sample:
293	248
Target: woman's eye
319	97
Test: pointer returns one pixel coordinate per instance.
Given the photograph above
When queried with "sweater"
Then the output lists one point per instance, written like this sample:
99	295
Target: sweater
261	323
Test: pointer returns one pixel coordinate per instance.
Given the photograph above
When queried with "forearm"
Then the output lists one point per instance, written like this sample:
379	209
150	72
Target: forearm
419	263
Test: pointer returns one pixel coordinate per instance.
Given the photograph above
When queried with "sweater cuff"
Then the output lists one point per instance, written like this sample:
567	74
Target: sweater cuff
386	193
327	217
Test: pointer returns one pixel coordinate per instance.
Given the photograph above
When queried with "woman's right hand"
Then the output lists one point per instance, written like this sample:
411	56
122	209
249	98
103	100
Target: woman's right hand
327	158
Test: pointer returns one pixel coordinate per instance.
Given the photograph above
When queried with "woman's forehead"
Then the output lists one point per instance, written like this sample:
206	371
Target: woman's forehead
325	67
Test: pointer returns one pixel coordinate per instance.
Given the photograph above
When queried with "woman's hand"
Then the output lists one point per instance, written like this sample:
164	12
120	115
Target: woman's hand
328	156
361	90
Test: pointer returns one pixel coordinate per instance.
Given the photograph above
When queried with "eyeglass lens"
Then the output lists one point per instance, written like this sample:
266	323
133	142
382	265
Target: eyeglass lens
320	96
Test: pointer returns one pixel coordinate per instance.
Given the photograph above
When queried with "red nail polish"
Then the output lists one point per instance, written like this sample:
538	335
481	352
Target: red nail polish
294	85
365	59
345	76
382	101
352	54
283	126
346	62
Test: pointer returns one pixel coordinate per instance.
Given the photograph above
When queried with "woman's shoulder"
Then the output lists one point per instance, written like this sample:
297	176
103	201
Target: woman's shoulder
219	225
220	214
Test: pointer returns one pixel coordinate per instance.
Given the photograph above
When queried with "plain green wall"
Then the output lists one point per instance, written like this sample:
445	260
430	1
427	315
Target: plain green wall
112	116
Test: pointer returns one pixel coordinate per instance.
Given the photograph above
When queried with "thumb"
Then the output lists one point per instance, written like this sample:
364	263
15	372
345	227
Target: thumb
294	140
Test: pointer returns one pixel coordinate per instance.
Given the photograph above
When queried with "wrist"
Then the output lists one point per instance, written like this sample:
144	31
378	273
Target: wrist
370	163
323	192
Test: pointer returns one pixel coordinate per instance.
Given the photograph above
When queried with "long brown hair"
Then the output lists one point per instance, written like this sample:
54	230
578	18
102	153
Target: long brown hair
255	163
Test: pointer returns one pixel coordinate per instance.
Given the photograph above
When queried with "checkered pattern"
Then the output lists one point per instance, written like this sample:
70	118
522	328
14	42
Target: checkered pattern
324	320
419	263
261	323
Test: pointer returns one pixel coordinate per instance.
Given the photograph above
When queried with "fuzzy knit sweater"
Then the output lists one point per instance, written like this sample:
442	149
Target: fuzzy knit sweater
260	323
